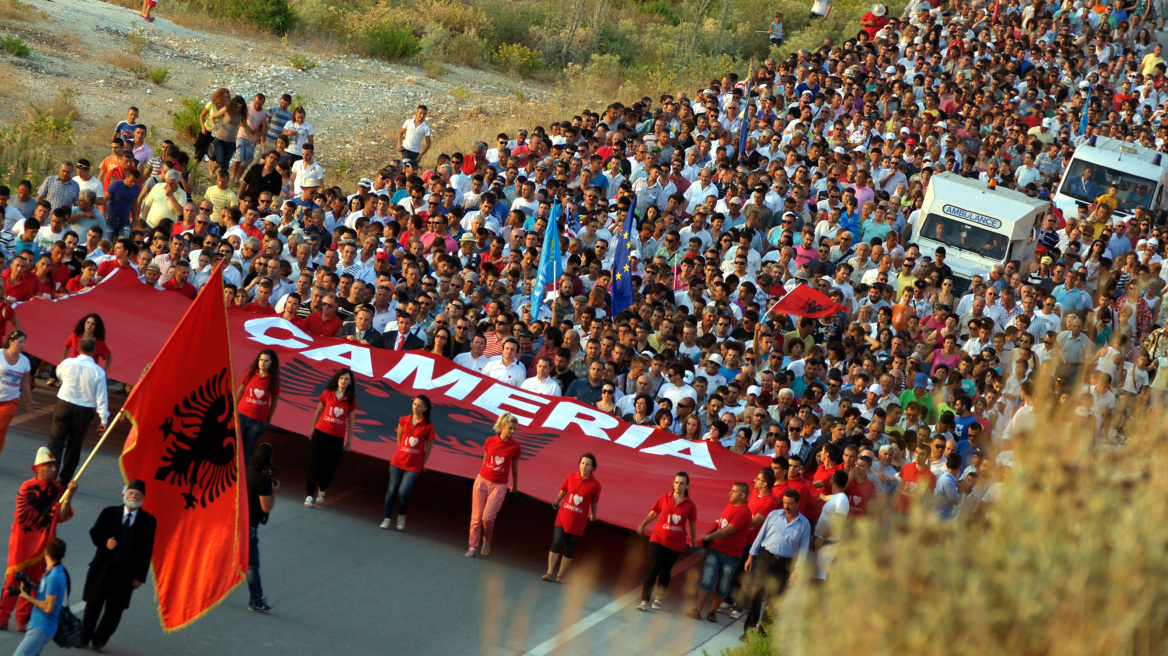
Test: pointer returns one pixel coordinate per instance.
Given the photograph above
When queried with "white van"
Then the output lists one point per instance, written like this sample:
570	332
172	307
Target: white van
1139	172
978	226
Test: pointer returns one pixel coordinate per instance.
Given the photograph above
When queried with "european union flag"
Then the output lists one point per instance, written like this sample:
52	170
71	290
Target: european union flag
622	264
551	265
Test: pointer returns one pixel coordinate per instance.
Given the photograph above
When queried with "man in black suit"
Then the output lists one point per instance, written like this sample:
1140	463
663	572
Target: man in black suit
124	537
360	329
401	339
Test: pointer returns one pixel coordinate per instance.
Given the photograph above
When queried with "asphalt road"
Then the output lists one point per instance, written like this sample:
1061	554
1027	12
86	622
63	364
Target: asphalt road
339	584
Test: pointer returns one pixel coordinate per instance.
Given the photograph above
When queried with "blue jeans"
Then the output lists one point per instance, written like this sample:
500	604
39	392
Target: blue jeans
721	567
244	151
254	587
250	431
34	641
401	482
116	226
223	152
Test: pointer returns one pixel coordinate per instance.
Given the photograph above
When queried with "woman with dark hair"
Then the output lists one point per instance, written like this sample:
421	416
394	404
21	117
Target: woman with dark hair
332	433
260	499
15	380
415	438
501	455
576	506
91	326
668	540
256	399
441	343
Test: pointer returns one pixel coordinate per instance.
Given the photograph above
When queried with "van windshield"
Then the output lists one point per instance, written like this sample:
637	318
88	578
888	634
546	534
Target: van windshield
965	237
1086	181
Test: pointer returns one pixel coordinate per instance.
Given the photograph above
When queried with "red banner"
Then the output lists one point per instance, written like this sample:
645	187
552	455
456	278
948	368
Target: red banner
806	301
636	462
184	444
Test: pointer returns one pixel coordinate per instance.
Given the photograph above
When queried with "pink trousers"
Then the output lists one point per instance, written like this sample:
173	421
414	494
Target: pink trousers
485	505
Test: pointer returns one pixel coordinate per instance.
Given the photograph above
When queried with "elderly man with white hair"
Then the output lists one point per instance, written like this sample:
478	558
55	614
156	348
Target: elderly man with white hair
165	201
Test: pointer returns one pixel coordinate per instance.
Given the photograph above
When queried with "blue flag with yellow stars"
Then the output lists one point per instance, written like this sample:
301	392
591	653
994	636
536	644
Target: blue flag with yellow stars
622	263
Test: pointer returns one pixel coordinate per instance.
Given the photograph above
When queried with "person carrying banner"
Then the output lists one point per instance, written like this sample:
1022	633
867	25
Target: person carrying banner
415	439
668	539
15	381
256	399
332	434
39	507
124	537
501	454
576	506
261	498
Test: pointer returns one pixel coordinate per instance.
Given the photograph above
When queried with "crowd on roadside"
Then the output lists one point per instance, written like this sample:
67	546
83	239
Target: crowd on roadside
919	383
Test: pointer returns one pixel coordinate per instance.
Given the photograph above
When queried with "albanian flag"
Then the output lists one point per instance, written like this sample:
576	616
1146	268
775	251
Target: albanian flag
806	301
185	446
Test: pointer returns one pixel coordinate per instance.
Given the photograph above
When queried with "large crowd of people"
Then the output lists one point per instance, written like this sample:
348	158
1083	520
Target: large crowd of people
809	171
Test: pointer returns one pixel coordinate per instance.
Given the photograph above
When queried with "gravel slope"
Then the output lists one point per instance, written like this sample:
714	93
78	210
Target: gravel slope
355	104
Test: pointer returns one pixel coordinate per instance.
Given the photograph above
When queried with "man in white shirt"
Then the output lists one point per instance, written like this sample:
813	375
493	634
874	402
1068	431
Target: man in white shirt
306	168
506	368
413	140
677	389
83	393
542	382
831	523
474	358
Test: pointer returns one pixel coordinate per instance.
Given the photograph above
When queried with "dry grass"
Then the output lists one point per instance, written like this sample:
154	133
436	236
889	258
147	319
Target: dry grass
122	61
16	10
1069	561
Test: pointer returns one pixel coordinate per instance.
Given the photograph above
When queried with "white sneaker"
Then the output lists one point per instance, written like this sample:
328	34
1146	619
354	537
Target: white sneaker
385	524
308	501
401	522
320	498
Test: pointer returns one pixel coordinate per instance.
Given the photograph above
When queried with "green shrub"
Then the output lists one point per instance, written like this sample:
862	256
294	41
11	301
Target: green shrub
662	9
186	120
517	58
15	46
33	148
467	49
268	15
301	63
432	46
392	42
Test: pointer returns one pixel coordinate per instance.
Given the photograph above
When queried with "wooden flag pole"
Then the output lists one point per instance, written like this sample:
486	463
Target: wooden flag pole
108	429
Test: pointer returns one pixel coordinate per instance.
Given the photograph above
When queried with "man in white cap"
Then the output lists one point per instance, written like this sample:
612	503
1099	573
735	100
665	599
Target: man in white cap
39	500
874	20
124	537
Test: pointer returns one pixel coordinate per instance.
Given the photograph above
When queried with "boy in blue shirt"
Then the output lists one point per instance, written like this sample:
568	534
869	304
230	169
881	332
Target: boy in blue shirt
51	593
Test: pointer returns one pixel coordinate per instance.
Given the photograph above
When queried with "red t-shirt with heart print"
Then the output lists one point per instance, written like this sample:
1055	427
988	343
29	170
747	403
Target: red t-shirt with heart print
579	495
673	521
334	420
411	449
500	454
256	402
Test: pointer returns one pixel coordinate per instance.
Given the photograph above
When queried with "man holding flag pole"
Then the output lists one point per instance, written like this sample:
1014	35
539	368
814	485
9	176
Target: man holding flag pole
184	439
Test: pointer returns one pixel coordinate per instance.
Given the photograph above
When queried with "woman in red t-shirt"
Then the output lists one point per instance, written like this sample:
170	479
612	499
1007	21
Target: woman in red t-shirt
332	433
90	326
668	539
500	462
256	399
580	493
415	438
